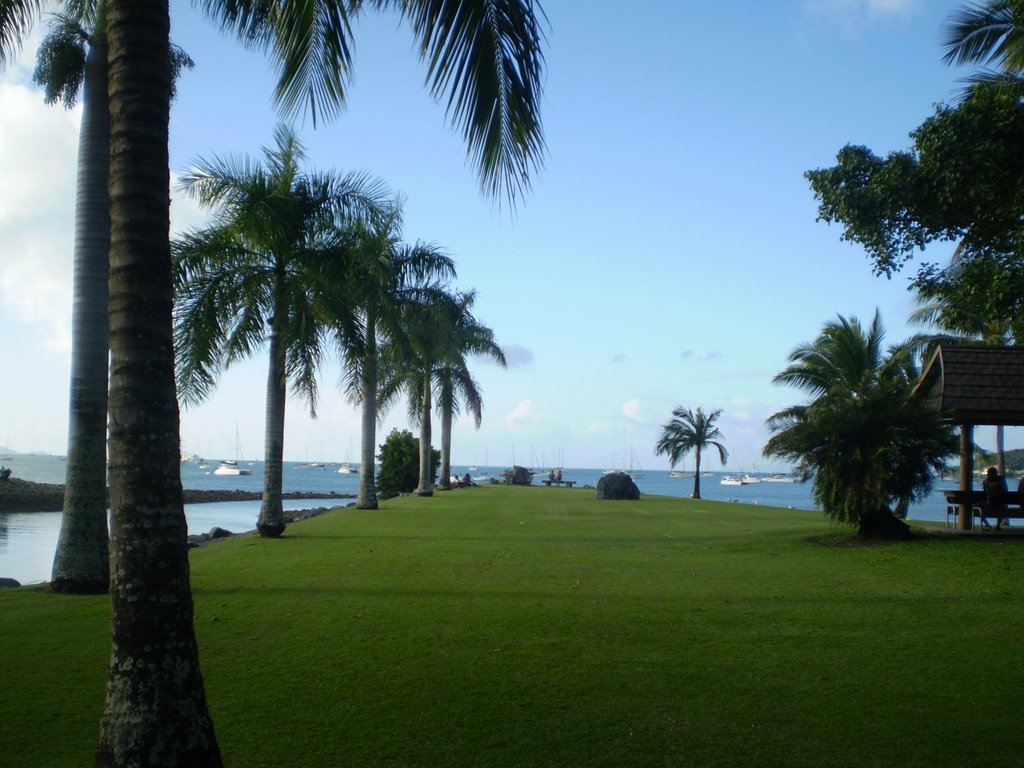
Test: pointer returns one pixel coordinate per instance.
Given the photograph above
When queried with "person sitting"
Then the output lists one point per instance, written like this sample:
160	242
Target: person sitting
558	476
467	480
994	486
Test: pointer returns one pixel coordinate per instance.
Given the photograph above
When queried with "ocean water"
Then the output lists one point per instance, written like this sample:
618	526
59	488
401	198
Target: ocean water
28	540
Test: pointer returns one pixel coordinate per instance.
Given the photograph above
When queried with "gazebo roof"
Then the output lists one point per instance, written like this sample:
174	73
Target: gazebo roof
977	384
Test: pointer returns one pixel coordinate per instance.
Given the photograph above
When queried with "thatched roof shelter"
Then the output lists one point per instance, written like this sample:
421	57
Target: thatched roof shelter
975	384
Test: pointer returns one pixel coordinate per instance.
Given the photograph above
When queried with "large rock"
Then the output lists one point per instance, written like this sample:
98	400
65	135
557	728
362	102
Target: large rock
617	486
518	476
6	583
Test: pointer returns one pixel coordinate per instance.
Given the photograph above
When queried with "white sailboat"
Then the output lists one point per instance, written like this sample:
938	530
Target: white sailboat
230	466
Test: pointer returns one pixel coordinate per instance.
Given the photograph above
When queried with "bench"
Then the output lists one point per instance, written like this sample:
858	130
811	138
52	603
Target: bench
566	483
978	502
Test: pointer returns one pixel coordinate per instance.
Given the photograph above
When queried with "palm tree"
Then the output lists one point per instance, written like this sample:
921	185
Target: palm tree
990	32
155	705
465	336
872	440
386	276
691	431
72	62
271	268
409	366
484	53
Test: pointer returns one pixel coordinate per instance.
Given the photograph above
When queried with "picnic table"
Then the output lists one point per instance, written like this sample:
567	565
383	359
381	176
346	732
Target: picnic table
977	500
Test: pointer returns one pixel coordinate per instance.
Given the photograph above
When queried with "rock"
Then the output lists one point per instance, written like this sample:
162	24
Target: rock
617	486
518	476
219	533
6	583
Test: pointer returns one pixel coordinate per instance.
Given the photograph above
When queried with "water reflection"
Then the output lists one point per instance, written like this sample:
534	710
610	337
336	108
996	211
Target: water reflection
28	540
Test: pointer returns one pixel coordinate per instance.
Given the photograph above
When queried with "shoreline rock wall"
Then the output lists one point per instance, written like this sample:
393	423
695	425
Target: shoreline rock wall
25	496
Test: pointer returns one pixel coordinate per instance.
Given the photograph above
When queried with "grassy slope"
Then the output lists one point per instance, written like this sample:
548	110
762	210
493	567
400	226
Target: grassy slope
532	626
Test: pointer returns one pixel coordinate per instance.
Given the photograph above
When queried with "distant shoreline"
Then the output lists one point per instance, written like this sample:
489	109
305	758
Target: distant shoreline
25	496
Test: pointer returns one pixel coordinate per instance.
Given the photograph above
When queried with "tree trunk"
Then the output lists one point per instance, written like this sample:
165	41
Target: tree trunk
81	561
367	496
155	712
444	481
696	474
271	521
883	524
426	481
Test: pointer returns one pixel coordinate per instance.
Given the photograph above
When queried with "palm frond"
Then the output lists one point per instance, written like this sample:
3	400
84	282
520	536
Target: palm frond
486	56
985	32
60	61
16	20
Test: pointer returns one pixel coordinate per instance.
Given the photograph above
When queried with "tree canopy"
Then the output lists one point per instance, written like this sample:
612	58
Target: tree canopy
963	179
873	443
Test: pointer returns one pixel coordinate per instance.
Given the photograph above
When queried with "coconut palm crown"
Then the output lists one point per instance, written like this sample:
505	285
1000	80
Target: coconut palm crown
691	431
272	269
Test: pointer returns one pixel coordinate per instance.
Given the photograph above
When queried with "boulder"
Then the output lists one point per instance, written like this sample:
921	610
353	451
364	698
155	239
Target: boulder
617	486
6	583
518	476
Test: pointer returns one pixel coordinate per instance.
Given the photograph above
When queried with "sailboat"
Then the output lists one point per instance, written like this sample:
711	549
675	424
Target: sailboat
230	466
635	471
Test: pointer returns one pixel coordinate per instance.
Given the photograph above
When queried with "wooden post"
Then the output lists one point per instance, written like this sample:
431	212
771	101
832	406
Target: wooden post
966	518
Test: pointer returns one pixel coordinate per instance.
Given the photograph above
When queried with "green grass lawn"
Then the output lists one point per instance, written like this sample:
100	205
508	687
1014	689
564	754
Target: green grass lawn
505	626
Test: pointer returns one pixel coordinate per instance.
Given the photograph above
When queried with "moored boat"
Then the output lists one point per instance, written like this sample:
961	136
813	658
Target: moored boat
231	468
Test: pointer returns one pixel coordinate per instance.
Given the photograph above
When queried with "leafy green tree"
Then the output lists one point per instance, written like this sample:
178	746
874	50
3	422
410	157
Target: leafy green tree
464	337
386	275
963	180
691	431
972	300
400	464
871	440
271	269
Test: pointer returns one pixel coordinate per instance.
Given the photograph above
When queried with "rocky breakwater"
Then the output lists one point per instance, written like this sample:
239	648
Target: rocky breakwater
25	496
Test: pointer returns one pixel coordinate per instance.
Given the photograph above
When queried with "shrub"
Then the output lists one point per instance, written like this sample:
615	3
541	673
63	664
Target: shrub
400	464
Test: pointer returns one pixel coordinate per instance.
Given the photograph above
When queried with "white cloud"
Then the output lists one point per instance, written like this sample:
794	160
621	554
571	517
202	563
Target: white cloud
631	409
38	155
523	413
858	12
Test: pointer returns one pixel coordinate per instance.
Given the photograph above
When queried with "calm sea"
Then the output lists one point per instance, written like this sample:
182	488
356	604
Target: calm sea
28	540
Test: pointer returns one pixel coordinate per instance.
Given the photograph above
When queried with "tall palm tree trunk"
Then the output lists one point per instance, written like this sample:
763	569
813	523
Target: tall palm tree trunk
367	495
426	482
444	482
81	560
696	472
155	711
271	521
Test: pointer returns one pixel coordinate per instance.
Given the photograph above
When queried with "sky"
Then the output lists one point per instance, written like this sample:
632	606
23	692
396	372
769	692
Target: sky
666	255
